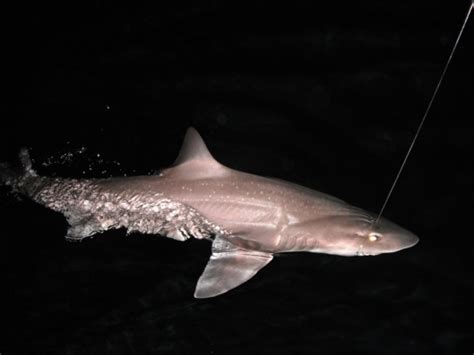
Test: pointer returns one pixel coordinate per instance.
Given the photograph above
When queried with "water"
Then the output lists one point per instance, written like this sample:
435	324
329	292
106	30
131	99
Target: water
300	103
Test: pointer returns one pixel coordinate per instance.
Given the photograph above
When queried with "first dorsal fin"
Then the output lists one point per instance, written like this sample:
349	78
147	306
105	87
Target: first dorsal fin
193	148
194	160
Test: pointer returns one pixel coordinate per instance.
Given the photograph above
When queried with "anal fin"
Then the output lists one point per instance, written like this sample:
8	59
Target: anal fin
228	268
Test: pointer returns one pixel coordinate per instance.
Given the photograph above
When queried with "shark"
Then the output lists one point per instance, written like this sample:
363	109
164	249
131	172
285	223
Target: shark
247	218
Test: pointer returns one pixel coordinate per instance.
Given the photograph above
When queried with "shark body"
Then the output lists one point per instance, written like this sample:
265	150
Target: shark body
248	218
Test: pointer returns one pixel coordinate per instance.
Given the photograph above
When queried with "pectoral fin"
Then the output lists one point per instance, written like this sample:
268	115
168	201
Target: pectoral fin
229	269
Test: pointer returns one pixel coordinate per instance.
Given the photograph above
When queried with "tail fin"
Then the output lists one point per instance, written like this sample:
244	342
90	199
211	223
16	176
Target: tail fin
10	176
7	174
26	164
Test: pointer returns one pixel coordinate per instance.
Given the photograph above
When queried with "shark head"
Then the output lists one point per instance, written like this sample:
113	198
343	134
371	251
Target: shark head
384	237
359	236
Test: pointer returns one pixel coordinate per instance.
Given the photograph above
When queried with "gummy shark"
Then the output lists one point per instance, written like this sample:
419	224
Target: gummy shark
248	218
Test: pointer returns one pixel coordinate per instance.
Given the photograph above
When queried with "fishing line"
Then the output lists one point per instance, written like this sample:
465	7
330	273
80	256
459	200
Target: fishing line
420	126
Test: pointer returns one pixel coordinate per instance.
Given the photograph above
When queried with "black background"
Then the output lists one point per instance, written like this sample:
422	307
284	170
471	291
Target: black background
325	94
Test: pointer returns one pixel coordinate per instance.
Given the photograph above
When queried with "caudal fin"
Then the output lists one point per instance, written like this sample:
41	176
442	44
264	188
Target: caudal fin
7	175
26	164
11	175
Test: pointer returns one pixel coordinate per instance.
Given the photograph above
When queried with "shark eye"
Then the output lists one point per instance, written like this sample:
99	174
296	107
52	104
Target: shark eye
373	237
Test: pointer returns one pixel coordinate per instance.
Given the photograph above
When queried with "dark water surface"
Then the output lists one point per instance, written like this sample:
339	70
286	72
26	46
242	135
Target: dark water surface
327	96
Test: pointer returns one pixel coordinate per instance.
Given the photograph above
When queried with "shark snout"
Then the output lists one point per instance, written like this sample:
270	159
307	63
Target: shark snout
400	241
410	240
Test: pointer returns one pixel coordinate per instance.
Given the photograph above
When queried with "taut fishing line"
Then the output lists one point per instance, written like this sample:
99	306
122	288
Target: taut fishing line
420	126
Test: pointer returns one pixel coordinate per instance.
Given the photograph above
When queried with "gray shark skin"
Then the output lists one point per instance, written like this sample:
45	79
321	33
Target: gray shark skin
247	218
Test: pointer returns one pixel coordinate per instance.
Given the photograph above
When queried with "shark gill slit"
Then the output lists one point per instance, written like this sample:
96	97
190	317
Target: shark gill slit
420	126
